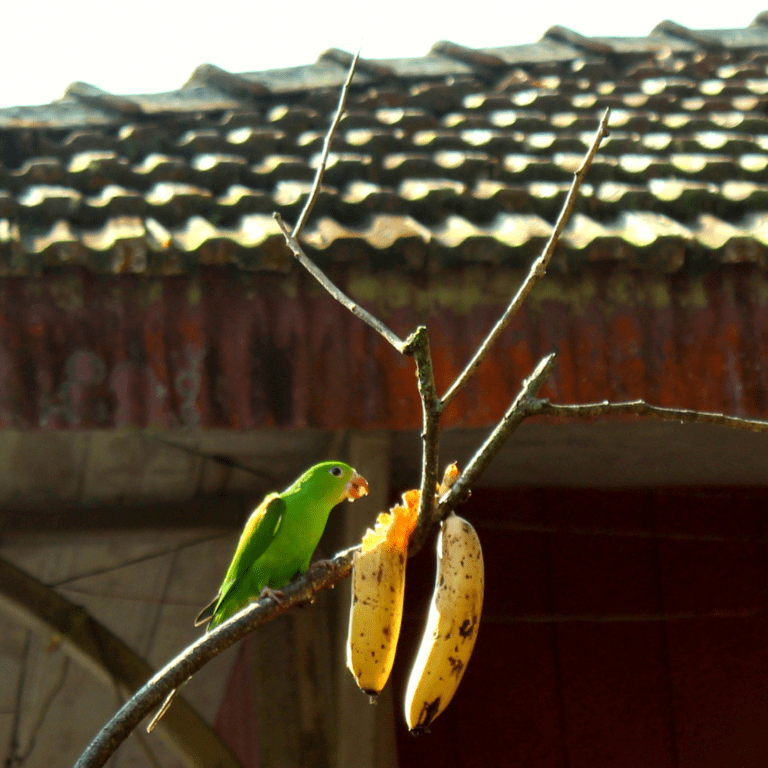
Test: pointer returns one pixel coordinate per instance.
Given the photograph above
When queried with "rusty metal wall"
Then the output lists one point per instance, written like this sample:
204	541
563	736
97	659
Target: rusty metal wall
225	349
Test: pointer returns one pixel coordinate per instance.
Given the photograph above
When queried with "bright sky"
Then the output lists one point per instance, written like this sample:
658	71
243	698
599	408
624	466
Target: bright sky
143	46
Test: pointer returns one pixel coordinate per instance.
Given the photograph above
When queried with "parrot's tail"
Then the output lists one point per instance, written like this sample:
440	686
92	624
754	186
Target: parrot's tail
207	613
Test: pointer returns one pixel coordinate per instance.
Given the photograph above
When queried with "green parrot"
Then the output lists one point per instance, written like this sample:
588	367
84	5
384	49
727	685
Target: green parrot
280	537
278	541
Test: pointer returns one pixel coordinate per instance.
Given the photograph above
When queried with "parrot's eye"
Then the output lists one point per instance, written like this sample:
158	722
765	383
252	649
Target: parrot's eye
336	471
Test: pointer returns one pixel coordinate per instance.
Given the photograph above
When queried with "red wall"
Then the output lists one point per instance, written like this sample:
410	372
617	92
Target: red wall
620	629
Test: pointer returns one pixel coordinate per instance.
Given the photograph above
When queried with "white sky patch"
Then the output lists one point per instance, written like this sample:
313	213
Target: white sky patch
146	46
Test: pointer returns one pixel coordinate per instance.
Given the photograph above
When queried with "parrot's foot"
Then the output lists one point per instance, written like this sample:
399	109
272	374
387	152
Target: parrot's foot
275	594
324	563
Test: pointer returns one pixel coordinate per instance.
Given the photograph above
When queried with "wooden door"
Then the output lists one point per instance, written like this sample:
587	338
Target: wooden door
621	628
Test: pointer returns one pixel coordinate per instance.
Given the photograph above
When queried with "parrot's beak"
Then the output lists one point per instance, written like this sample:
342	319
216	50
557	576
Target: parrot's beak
356	487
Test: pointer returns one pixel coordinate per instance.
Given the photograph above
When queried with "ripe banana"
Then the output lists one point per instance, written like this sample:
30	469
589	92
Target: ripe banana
378	588
451	630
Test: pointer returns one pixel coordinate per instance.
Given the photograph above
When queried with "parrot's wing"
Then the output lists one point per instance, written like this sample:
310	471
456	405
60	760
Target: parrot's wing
257	535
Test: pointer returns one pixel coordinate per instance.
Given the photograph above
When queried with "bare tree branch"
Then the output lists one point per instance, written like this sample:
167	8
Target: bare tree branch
320	576
538	268
337	294
641	408
292	237
418	346
304	215
325	574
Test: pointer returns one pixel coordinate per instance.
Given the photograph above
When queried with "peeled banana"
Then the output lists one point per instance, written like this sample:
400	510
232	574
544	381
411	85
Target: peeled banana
378	588
451	630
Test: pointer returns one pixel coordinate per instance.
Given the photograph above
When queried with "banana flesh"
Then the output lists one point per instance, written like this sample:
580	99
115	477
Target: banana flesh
451	630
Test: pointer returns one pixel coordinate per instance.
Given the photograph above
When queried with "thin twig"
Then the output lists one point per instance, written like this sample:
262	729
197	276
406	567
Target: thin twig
131	598
292	236
135	560
160	605
225	461
304	215
641	408
538	268
337	294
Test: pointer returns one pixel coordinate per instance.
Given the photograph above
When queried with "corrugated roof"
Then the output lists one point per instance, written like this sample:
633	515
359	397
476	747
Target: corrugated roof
463	154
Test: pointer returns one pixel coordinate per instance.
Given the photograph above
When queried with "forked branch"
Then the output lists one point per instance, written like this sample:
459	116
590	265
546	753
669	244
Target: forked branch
513	418
324	576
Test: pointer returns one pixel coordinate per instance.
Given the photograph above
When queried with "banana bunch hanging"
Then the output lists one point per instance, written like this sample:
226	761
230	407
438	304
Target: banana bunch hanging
378	588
